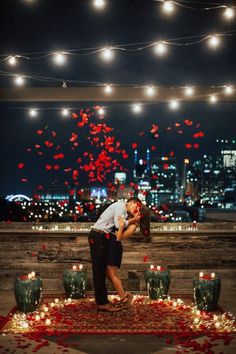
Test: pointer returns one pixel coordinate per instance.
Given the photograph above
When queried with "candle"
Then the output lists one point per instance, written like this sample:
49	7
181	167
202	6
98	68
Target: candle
174	303
196	320
56	301
158	268
217	325
45	308
151	267
24	325
69	300
29	276
33	274
198	312
201	275
213	275
42	314
52	304
48	322
74	267
37	318
80	266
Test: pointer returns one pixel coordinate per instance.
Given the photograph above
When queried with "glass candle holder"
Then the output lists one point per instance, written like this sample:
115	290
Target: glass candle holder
206	291
157	283
28	293
74	283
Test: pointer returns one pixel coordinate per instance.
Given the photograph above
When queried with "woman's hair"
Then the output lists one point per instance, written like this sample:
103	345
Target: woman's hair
145	221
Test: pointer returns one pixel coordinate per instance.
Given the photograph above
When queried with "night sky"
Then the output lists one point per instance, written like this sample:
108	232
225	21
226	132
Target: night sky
51	25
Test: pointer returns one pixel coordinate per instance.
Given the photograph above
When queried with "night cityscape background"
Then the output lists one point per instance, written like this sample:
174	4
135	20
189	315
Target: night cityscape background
179	162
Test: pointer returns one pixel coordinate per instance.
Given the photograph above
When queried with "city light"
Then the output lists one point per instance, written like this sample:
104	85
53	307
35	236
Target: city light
101	111
229	90
213	99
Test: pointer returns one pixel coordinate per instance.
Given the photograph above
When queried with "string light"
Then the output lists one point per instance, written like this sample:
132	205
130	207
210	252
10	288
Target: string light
213	99
99	4
189	91
174	104
150	91
137	108
33	112
214	41
168	7
229	90
229	13
160	48
19	80
12	60
65	112
108	89
107	54
59	58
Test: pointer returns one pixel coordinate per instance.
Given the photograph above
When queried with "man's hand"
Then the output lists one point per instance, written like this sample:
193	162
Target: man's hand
135	219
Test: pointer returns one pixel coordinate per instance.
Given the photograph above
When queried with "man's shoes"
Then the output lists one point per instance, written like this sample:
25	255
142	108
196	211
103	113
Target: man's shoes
108	308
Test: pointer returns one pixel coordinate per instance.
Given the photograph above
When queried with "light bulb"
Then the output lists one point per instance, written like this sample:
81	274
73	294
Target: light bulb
137	108
160	48
229	13
59	58
12	60
150	91
108	89
99	4
229	90
19	80
107	54
214	41
189	91
174	104
33	113
168	7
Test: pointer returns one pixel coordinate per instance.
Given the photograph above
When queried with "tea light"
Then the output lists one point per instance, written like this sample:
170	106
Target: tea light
74	267
151	267
196	320
48	322
37	318
213	275
24	325
198	312
29	276
69	300
56	301
45	308
201	275
80	266
42	314
33	274
52	304
217	325
215	317
158	267
174	303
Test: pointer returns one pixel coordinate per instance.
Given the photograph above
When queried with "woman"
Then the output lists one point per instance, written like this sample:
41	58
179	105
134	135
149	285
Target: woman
115	249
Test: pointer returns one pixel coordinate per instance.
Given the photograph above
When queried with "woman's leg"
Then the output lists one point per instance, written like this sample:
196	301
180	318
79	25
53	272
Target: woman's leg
111	272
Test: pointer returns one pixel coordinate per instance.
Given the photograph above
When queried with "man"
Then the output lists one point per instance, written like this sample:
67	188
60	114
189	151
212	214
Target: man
99	245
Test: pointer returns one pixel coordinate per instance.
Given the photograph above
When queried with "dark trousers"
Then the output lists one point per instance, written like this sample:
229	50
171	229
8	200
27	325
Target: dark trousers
99	248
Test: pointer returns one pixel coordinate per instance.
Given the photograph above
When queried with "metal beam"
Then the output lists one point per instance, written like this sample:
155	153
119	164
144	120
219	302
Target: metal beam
97	94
